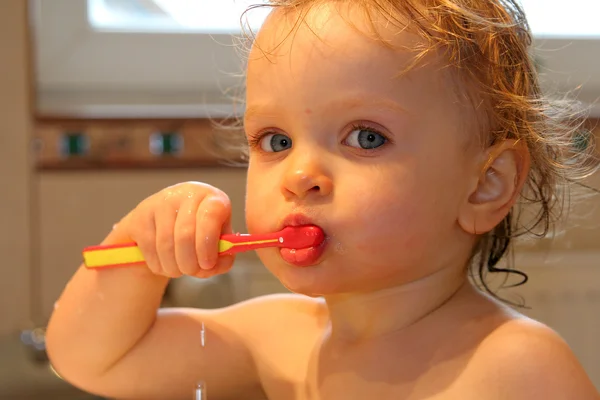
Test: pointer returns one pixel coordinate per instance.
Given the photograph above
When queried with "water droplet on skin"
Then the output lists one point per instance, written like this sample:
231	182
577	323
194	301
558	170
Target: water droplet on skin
203	335
339	248
205	263
190	195
205	214
177	211
200	391
56	305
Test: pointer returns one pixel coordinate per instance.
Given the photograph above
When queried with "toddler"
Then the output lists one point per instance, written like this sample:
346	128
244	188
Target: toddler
409	131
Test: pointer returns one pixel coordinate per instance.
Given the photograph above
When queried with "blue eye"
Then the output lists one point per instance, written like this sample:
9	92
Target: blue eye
275	142
365	138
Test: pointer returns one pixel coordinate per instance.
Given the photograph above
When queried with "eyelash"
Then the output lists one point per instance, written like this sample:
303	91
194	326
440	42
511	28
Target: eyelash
255	139
363	127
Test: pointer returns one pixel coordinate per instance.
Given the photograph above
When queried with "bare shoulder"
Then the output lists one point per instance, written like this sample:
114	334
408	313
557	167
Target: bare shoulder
525	359
282	301
276	312
280	331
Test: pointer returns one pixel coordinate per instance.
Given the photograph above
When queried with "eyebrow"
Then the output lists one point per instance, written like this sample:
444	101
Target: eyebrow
344	103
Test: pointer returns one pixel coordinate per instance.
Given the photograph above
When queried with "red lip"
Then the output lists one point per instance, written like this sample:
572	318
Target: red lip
296	220
302	257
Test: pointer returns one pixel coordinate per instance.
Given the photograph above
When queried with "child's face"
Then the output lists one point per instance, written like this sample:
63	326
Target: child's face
381	163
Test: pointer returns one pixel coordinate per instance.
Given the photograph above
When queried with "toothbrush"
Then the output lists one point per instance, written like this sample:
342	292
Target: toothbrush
121	255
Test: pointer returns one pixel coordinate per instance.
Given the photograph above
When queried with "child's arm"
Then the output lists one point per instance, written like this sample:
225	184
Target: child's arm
125	349
107	337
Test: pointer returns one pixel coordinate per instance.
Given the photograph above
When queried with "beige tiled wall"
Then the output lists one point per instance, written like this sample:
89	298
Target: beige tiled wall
15	168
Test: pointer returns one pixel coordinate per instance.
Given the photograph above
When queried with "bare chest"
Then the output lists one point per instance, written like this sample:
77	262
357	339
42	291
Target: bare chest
305	372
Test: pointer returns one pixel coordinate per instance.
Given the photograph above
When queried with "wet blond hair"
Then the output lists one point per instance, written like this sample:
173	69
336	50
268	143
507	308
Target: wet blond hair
488	42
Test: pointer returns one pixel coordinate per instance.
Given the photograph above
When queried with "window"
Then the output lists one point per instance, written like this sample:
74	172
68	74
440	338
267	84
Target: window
181	56
559	19
579	19
199	16
119	57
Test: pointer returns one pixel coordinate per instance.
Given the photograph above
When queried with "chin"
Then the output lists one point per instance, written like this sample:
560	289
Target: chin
305	293
313	280
309	291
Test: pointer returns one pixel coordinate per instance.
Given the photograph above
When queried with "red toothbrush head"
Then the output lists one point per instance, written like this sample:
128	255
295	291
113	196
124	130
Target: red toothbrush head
301	237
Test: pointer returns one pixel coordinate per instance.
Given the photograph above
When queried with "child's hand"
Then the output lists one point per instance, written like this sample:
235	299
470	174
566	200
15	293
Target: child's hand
178	230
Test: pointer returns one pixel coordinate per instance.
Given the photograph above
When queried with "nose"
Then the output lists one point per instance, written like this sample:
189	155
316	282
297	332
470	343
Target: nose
305	178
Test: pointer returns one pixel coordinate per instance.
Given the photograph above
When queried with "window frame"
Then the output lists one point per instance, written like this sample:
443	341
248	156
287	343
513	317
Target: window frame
80	71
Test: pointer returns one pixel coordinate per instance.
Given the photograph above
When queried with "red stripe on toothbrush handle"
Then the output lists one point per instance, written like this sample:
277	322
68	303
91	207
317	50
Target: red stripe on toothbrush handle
244	238
110	246
239	248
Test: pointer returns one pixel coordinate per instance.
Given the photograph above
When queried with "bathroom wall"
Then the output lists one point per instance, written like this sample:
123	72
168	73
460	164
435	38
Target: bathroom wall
15	169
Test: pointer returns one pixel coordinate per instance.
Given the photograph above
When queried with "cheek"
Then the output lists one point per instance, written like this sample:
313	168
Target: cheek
387	217
253	210
404	212
259	200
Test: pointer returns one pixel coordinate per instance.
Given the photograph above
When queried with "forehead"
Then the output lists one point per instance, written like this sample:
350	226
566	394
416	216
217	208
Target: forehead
334	46
330	21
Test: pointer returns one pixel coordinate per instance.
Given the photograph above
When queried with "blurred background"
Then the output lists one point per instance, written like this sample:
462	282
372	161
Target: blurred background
103	102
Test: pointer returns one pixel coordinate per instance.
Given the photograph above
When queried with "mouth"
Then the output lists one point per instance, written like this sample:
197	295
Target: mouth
297	220
305	257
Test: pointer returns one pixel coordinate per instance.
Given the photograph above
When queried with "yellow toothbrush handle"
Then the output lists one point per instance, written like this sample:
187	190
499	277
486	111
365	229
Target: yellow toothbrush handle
112	256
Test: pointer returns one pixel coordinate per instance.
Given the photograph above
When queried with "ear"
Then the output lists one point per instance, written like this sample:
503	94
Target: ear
499	184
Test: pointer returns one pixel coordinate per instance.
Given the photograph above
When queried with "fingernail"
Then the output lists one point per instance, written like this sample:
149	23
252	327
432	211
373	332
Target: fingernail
206	264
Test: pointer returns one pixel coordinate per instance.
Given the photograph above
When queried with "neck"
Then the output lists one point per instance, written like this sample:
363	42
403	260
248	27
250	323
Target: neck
360	317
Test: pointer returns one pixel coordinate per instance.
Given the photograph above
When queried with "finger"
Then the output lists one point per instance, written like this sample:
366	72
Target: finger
185	238
143	228
224	264
213	215
165	240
